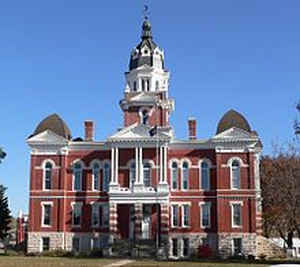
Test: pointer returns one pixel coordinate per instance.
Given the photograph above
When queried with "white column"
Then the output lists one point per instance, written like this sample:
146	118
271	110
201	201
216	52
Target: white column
161	165
136	165
141	173
117	166
112	165
165	164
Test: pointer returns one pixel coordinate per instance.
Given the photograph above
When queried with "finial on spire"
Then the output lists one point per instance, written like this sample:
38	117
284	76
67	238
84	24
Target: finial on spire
147	33
146	12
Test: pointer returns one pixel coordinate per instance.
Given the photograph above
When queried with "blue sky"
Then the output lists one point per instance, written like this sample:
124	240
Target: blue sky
69	57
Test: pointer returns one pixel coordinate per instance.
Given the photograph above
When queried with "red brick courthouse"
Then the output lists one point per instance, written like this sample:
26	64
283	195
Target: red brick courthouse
142	183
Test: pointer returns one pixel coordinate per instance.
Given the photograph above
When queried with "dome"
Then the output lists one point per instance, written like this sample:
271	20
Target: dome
55	124
233	119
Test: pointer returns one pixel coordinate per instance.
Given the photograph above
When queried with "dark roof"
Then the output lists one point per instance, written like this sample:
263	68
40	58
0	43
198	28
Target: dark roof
55	124
233	119
147	40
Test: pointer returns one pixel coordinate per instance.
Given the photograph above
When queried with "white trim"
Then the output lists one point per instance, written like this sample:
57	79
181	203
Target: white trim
240	203
182	174
201	204
44	173
172	215
182	215
79	204
208	161
43	204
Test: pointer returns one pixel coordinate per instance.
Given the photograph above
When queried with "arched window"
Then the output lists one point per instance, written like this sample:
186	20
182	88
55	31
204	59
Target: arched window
96	176
77	172
132	173
185	176
235	174
157	85
174	176
106	176
145	116
205	176
147	174
48	176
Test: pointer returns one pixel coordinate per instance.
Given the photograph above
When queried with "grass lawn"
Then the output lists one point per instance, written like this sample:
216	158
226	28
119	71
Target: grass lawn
192	264
7	261
149	263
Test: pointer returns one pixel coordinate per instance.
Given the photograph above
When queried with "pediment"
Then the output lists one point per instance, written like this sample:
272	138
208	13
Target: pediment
235	133
47	137
136	132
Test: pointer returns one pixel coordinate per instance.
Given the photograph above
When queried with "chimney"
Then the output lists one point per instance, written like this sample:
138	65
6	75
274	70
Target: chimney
192	128
89	130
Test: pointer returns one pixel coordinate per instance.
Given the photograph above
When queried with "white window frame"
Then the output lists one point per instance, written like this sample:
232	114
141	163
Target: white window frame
188	248
93	175
209	166
229	164
188	176
74	204
183	215
43	204
106	177
44	173
177	174
202	204
172	215
147	162
240	203
81	176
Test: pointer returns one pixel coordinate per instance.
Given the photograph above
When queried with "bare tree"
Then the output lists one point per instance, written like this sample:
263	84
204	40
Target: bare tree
280	177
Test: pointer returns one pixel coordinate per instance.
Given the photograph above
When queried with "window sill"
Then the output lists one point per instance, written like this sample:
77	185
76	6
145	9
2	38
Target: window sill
46	226
205	227
76	226
237	226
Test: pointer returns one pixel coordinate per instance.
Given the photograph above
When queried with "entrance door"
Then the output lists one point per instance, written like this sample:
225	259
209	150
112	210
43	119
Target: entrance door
147	222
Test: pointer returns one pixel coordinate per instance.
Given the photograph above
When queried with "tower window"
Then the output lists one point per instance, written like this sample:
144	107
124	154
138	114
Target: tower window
145	115
143	85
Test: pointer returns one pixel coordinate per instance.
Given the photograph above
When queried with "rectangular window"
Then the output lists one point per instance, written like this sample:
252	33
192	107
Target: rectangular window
77	180
45	243
46	215
48	175
186	215
76	215
237	246
174	178
236	215
76	244
96	180
95	243
175	215
185	176
205	215
175	247
105	215
95	215
186	247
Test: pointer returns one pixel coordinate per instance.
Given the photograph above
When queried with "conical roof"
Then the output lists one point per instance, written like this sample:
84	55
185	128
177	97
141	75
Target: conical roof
55	124
231	119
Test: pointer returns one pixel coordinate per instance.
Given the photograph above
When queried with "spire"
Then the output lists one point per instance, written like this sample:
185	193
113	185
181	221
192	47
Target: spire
146	33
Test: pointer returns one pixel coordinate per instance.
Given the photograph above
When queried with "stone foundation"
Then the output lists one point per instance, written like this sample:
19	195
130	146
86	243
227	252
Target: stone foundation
225	244
61	241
